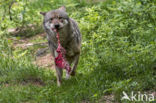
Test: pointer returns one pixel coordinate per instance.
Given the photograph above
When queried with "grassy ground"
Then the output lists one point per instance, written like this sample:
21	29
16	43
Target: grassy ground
118	52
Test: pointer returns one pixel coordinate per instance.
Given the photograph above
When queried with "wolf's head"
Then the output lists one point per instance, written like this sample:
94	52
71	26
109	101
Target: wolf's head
55	19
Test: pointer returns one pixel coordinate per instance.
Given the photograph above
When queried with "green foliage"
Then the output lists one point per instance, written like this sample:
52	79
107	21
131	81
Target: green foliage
118	51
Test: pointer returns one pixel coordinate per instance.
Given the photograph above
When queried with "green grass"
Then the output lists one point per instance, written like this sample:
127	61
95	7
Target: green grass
118	52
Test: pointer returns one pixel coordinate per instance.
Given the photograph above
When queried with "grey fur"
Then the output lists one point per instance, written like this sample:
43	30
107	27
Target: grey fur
70	38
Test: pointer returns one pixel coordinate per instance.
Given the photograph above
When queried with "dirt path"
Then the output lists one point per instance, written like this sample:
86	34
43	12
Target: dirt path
39	46
45	61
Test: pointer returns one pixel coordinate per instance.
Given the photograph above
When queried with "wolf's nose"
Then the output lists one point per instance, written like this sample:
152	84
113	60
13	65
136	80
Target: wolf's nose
57	26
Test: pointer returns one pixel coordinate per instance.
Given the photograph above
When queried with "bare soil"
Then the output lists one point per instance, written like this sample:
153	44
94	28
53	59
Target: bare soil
45	60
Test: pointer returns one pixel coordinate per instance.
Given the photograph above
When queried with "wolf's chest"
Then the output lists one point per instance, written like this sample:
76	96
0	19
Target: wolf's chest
53	38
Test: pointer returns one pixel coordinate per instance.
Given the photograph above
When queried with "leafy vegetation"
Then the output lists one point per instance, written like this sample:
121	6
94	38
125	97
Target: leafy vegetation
118	51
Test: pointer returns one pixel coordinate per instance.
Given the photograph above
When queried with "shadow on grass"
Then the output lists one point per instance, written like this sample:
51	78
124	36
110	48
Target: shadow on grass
102	81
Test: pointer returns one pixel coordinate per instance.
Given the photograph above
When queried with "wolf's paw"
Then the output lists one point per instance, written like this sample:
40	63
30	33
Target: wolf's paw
72	73
67	76
58	83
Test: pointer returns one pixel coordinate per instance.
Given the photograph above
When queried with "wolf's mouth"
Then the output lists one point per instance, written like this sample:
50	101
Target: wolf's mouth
55	30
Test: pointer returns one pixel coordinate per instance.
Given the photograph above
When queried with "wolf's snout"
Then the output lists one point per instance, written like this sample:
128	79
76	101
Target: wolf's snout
57	26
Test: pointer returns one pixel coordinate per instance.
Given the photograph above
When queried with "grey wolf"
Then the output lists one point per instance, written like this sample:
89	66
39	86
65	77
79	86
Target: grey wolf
70	38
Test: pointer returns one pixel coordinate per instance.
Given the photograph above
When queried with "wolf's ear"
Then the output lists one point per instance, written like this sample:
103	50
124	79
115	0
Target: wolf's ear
43	13
63	8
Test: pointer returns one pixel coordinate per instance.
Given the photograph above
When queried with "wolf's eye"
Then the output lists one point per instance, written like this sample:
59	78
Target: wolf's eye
51	18
60	18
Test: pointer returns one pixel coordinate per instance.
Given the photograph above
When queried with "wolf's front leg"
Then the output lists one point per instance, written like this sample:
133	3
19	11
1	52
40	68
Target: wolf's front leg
76	60
59	74
59	71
